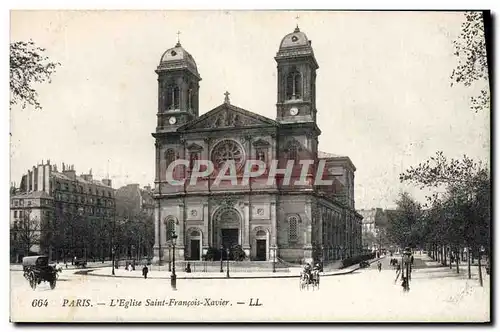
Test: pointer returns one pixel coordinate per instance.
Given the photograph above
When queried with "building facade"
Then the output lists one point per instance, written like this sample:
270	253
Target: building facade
296	222
374	223
57	200
132	200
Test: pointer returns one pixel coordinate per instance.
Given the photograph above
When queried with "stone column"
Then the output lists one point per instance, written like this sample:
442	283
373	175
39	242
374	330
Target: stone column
206	233
179	247
246	228
274	237
308	232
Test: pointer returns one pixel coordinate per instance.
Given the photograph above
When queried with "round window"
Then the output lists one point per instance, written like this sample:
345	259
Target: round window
228	150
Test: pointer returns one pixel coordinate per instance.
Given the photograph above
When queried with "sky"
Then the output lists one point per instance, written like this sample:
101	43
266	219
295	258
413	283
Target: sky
383	88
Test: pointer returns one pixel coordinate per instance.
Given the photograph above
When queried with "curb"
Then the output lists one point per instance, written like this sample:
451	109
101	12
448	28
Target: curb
221	278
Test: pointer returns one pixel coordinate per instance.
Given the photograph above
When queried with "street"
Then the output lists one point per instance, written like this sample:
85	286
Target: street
436	294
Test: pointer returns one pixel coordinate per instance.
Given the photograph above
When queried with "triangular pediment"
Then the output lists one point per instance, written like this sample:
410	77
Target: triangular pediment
194	147
228	116
260	143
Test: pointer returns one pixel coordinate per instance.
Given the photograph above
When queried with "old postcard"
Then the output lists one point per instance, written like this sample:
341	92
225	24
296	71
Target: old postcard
250	166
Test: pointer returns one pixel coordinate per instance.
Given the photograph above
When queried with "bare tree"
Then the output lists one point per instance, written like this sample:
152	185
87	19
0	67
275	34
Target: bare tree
28	65
26	232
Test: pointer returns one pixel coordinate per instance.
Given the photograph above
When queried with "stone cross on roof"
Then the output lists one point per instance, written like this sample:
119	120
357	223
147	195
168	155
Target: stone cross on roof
297	27
178	38
226	98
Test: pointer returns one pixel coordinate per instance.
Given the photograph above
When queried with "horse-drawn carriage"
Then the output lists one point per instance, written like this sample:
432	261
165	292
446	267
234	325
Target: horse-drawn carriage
37	269
309	278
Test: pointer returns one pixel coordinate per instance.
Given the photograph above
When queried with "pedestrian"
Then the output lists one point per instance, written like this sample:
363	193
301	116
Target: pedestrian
145	272
411	259
188	268
379	265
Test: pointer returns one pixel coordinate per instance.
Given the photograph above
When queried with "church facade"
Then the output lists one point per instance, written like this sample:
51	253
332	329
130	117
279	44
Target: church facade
295	221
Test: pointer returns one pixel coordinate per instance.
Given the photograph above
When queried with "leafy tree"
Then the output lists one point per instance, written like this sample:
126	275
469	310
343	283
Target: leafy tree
405	223
461	216
471	53
28	65
368	239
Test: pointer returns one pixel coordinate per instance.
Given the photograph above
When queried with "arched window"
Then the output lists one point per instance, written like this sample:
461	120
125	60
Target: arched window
173	97
293	224
176	97
193	157
294	85
190	98
170	229
261	155
292	152
169	156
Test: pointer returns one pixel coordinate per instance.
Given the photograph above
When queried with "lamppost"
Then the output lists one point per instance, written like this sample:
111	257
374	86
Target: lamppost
227	260
173	277
113	260
221	254
274	258
322	257
169	259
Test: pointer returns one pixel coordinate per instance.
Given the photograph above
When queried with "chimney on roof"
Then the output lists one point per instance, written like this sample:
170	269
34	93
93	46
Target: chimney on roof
106	182
69	171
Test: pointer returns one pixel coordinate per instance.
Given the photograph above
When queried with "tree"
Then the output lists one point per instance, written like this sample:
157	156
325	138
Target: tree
368	239
26	232
405	223
471	53
28	65
462	214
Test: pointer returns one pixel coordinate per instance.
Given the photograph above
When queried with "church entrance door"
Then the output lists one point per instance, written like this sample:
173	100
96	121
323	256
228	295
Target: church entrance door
195	250
261	250
229	237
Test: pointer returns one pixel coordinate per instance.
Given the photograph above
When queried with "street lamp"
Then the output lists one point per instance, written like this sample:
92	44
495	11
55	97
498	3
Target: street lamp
274	258
113	260
322	257
227	260
221	254
173	277
169	259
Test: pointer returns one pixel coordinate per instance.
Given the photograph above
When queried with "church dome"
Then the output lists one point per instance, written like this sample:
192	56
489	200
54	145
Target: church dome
296	45
295	39
177	58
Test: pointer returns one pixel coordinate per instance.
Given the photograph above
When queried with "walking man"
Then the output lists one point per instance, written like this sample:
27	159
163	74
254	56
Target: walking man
379	265
145	272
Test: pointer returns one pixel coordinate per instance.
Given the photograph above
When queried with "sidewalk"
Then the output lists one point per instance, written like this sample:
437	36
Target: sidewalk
19	267
292	273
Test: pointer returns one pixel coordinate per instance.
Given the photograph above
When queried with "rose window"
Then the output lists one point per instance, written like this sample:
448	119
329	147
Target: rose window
228	150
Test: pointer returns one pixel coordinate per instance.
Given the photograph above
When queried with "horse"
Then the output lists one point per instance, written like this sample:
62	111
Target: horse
315	279
304	281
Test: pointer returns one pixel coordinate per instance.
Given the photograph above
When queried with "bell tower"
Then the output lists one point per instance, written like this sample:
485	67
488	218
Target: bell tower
296	79
178	89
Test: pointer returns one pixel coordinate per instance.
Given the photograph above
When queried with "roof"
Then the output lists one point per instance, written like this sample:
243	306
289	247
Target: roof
32	194
325	155
296	44
79	179
246	118
177	58
295	39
